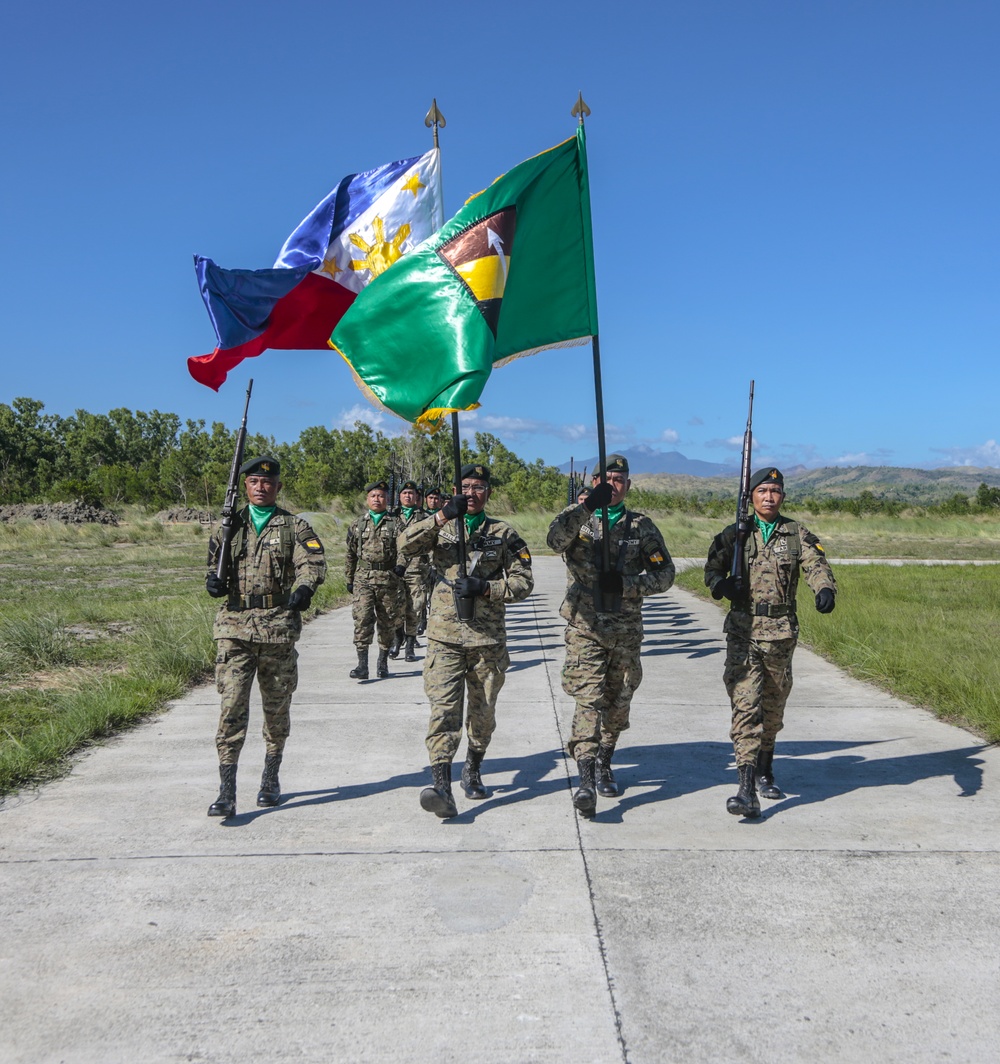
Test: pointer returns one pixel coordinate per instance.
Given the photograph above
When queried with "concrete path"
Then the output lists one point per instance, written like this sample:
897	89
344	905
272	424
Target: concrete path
859	920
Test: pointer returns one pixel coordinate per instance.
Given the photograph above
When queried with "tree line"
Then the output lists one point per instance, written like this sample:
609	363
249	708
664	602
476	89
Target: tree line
156	460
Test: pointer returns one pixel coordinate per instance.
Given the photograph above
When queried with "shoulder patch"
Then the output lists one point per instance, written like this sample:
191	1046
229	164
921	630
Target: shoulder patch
312	544
520	548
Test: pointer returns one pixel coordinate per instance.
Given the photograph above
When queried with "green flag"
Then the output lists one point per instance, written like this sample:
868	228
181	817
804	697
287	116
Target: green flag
511	274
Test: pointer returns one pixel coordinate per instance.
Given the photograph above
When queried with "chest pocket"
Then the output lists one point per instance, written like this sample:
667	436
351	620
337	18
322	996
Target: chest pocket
491	554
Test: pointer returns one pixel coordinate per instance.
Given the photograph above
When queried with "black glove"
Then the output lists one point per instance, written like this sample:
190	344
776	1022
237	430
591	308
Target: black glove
470	586
399	570
300	598
825	601
612	583
215	587
726	587
350	589
599	498
455	507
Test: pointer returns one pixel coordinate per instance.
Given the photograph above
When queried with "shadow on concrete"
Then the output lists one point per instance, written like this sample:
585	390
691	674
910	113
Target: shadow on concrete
675	769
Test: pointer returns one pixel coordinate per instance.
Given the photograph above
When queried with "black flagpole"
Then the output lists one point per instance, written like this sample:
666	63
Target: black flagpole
605	599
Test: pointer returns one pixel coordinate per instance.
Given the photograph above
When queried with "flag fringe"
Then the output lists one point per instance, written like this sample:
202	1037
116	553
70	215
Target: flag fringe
579	341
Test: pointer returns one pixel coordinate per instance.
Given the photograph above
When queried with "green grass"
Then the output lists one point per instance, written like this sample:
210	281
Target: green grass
926	633
101	627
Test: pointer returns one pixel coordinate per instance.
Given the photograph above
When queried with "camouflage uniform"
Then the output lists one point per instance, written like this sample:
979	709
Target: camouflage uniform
413	586
603	669
254	632
368	565
762	628
467	654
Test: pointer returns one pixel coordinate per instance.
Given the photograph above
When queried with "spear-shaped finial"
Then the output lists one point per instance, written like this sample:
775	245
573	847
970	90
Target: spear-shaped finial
580	108
434	118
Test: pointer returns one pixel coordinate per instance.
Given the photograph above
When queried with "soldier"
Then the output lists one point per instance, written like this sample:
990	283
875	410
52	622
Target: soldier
413	589
466	654
602	669
433	500
762	630
276	563
372	571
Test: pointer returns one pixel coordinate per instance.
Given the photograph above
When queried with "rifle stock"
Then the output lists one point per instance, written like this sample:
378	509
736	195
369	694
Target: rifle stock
743	503
230	506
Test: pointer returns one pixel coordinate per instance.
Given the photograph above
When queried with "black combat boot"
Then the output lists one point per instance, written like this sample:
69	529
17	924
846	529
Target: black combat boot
270	789
360	671
585	797
744	801
472	781
397	642
766	786
411	648
225	804
438	798
607	786
382	665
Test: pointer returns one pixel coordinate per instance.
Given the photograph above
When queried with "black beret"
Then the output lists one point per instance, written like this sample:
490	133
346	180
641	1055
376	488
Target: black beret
410	485
476	472
770	474
433	491
379	485
616	463
263	466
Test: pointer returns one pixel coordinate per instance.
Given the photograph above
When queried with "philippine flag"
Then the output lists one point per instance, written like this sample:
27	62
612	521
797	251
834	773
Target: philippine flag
366	223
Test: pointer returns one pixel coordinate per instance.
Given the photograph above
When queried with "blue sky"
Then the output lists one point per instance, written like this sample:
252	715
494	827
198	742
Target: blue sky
805	193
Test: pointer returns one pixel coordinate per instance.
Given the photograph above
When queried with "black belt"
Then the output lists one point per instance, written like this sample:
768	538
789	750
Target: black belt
260	602
378	567
773	609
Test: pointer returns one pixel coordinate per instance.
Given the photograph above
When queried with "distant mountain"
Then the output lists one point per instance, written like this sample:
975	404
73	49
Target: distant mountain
671	471
644	459
918	486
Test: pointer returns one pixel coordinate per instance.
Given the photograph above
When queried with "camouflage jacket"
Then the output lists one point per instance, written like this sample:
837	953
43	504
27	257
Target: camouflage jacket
773	577
371	548
416	564
286	555
637	551
495	553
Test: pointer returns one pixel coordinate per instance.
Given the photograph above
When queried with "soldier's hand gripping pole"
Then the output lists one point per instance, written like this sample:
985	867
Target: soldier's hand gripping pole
465	605
231	505
743	505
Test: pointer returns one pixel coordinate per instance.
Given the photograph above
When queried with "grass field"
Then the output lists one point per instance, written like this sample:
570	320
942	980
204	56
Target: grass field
102	625
928	634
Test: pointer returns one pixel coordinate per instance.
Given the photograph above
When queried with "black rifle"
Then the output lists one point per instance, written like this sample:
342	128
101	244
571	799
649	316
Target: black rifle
230	506
743	506
571	492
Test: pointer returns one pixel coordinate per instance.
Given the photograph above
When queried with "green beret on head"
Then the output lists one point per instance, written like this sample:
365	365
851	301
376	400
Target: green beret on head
410	485
770	475
616	463
379	485
433	491
265	466
476	472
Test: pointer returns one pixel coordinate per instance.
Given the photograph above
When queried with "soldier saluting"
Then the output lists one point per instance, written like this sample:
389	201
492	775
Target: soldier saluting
275	563
762	628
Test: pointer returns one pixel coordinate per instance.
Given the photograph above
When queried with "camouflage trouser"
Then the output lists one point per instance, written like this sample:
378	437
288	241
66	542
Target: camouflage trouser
376	601
758	677
414	586
236	664
602	672
448	671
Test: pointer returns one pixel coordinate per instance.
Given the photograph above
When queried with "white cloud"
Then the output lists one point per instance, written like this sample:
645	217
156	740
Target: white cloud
730	443
670	436
863	458
377	419
985	454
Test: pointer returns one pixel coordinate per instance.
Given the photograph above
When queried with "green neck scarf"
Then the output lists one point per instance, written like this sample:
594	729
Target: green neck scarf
376	517
614	514
407	511
473	521
766	530
260	515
